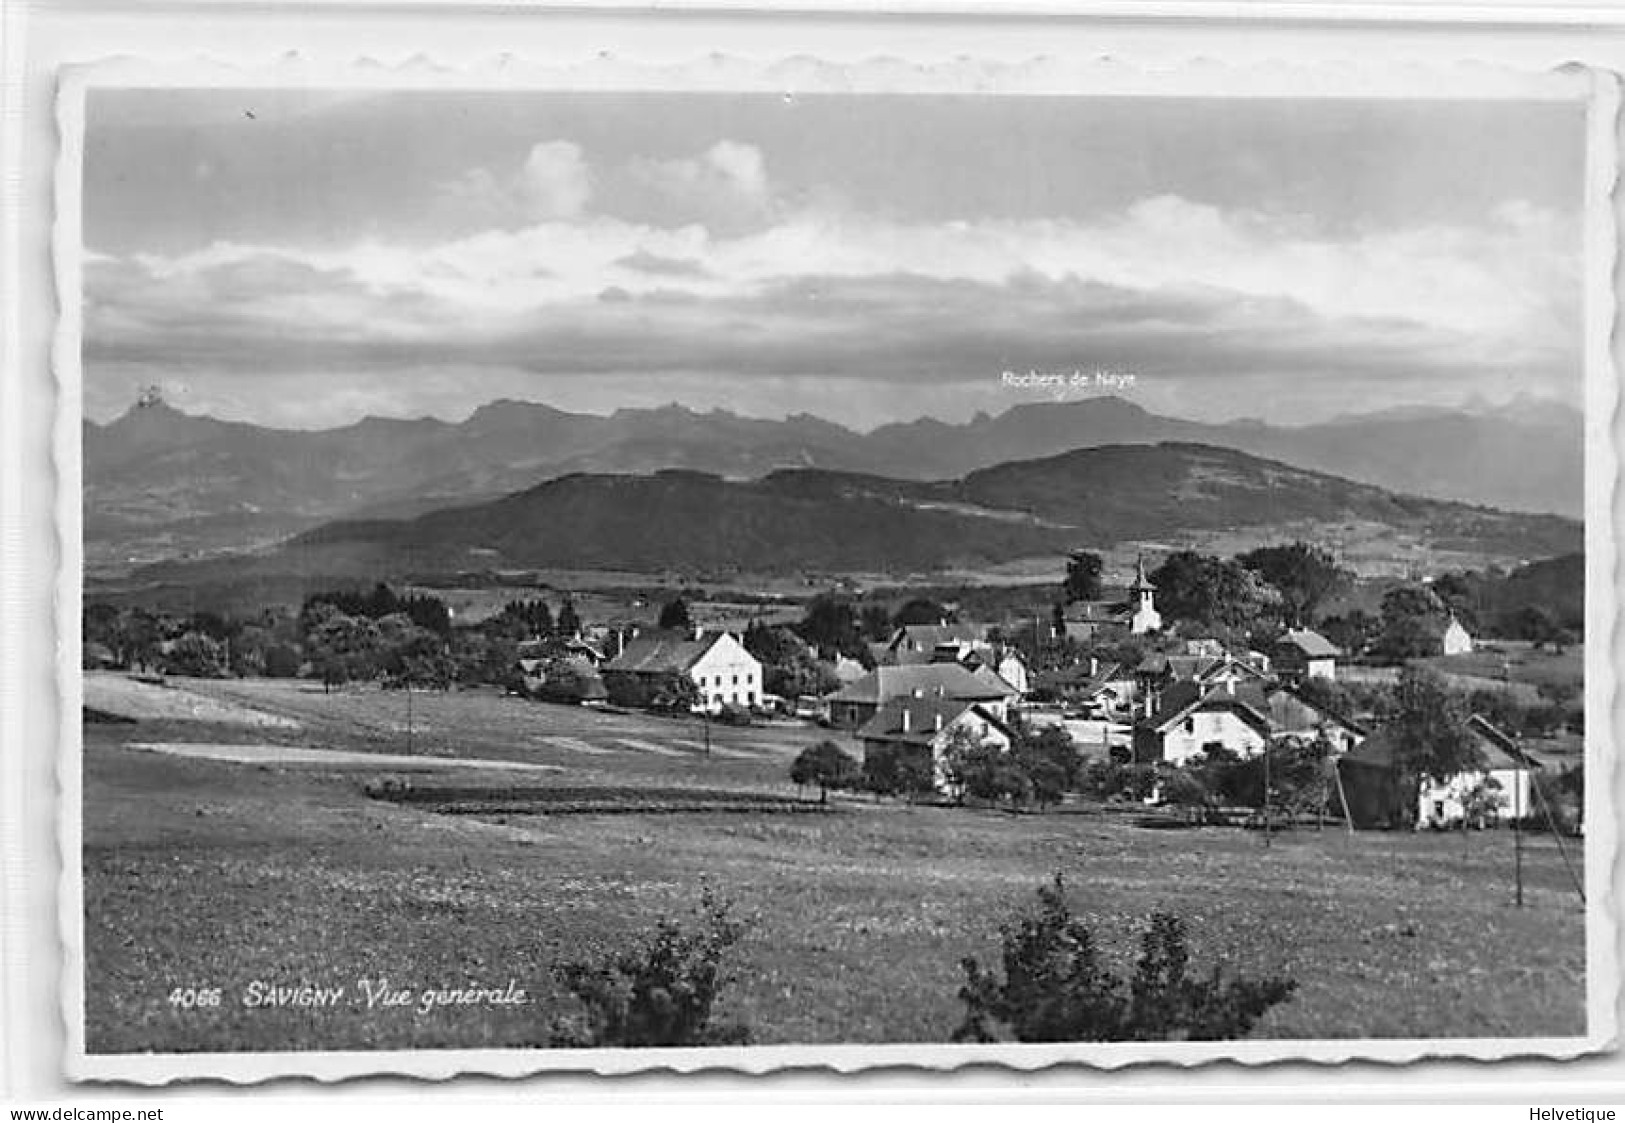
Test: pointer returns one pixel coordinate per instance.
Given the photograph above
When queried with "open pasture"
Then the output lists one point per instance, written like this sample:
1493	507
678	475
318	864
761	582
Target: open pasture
205	873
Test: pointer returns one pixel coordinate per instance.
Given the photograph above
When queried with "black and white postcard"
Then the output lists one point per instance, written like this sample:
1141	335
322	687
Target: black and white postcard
752	565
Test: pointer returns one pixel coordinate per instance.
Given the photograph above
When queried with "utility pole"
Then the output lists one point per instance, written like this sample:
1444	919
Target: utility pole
1266	793
1519	779
408	716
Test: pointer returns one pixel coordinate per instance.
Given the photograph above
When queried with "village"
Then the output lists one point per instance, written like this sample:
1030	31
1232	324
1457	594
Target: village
1112	697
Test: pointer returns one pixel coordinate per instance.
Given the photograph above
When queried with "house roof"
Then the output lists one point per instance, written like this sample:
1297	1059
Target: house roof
1501	752
1312	644
948	680
927	636
1197	668
1501	749
1077	677
923	719
1184	698
661	652
1275	691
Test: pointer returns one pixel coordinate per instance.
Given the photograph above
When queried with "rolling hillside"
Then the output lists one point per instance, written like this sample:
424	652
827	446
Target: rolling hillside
813	521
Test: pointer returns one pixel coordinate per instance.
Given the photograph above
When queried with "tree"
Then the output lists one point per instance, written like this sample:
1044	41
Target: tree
343	648
521	620
1353	631
661	993
1209	591
196	655
922	610
1429	731
875	623
1304	575
1483	804
1056	986
569	622
565	680
1183	788
1412	617
1083	574
831	624
902	769
827	765
789	667
1048	759
671	691
674	616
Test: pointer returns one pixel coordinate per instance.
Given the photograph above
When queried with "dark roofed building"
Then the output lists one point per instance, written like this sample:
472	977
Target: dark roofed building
857	702
717	663
1301	653
927	728
920	643
1371	782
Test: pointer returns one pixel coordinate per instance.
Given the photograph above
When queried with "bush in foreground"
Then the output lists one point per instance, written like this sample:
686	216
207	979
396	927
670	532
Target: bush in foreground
1055	987
659	993
827	765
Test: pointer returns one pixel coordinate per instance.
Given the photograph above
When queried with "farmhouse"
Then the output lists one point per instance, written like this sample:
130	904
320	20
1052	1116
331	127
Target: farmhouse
1192	718
1241	719
1371	783
717	663
928	727
856	702
1505	778
1302	653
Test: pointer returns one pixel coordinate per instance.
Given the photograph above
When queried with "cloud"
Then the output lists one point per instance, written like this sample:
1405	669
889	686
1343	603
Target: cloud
554	182
725	187
1171	289
645	262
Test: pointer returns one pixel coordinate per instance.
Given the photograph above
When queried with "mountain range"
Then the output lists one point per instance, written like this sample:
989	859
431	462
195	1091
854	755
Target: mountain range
160	483
797	522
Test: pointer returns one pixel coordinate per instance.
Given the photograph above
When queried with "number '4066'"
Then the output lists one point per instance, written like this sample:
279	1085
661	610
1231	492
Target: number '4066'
191	998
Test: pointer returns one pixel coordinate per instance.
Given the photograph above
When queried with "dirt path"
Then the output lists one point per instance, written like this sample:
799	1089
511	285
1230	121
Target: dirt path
327	758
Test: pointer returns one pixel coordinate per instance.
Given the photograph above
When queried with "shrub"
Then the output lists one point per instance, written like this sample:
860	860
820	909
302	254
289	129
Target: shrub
905	770
1107	780
1056	988
197	655
825	764
660	993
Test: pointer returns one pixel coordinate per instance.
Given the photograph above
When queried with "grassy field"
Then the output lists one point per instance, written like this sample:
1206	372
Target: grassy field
1512	661
201	873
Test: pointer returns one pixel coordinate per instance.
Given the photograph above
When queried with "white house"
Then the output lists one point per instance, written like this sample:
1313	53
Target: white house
1455	640
929	727
1239	718
1503	783
1193	718
725	673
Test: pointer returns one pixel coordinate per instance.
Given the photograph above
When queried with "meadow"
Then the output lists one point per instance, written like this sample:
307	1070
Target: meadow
211	875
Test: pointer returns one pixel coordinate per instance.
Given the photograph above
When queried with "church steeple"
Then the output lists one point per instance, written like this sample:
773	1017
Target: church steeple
1142	586
1143	593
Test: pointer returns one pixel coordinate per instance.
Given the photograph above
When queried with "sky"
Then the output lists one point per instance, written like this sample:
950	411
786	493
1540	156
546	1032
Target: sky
305	258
